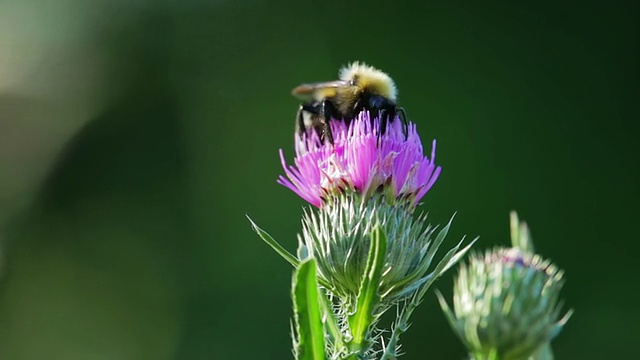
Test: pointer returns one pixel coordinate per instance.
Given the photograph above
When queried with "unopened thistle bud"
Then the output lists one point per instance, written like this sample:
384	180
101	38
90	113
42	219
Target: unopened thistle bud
506	304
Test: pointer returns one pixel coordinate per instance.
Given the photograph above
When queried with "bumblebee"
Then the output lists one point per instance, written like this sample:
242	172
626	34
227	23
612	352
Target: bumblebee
360	87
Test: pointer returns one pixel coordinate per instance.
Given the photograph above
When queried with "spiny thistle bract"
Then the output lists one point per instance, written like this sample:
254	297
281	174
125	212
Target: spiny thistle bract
339	238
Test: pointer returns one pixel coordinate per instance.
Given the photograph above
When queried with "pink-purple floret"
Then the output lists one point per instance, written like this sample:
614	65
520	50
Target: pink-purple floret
360	161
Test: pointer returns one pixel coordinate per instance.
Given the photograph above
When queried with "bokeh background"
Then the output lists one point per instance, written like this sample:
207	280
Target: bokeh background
136	135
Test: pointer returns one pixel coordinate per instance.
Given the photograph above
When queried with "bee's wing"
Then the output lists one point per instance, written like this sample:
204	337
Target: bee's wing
317	91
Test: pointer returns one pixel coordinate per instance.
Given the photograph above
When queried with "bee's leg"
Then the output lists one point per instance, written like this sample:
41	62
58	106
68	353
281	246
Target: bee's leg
300	125
310	119
301	146
329	112
402	115
384	119
357	108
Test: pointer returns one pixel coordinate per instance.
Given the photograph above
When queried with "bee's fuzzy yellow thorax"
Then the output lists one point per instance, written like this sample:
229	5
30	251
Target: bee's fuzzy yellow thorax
370	78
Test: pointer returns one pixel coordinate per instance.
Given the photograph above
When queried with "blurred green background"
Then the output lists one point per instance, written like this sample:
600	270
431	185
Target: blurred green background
136	135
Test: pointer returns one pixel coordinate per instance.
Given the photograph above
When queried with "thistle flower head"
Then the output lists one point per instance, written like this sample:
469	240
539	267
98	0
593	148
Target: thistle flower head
506	303
361	161
369	251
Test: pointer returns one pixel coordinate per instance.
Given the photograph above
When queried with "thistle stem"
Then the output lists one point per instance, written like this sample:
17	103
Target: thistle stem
492	355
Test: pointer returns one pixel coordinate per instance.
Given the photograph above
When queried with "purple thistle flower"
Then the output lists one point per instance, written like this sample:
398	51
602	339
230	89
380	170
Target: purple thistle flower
362	162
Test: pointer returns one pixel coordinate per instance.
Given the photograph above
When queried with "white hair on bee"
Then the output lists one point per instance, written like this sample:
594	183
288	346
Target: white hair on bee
367	76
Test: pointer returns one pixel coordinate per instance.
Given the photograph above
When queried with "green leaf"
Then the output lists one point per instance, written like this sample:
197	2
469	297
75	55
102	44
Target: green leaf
454	256
306	307
368	297
274	244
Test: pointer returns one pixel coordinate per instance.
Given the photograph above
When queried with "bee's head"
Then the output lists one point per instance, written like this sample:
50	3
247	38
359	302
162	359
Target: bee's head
369	79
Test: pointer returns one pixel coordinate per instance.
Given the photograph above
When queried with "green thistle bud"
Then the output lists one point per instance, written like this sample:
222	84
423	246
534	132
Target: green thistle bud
506	303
